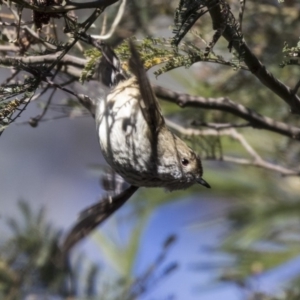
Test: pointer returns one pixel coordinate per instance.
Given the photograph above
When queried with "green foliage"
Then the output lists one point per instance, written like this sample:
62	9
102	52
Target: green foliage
291	55
263	232
267	206
186	15
28	262
93	56
27	257
156	51
188	12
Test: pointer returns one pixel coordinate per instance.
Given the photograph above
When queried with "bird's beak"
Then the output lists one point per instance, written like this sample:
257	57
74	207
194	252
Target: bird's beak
203	182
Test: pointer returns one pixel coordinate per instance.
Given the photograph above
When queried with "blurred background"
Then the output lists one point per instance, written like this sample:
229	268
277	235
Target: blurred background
238	240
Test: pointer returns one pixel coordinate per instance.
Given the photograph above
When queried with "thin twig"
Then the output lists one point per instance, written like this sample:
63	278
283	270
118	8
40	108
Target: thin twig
296	88
46	119
255	119
115	23
241	13
104	24
34	121
30	31
254	65
15	24
83	99
10	78
220	126
65	8
225	104
256	160
40	59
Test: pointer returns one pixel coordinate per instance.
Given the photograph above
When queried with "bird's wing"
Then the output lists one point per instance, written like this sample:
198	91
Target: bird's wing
150	106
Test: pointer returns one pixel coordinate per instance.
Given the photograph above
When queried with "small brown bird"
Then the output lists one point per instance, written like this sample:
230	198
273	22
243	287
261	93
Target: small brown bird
135	142
133	136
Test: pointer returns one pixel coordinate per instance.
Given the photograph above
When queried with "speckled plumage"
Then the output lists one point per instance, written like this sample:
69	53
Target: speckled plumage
133	136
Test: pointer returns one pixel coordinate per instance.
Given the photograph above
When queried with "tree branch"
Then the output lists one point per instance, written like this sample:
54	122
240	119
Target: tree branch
255	119
68	7
225	104
256	161
254	65
40	59
116	22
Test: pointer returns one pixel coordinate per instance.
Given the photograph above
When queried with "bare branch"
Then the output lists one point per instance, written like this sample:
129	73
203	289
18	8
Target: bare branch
256	161
29	30
35	121
183	100
9	48
65	8
241	13
115	23
296	88
40	59
83	99
225	104
254	65
220	126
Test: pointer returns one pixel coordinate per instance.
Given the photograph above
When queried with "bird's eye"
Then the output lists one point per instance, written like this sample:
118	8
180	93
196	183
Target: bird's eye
184	161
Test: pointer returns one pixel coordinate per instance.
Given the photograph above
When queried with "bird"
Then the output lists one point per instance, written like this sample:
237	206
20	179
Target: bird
133	135
135	142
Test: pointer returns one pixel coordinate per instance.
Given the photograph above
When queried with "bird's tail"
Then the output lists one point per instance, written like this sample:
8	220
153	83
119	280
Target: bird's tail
110	71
